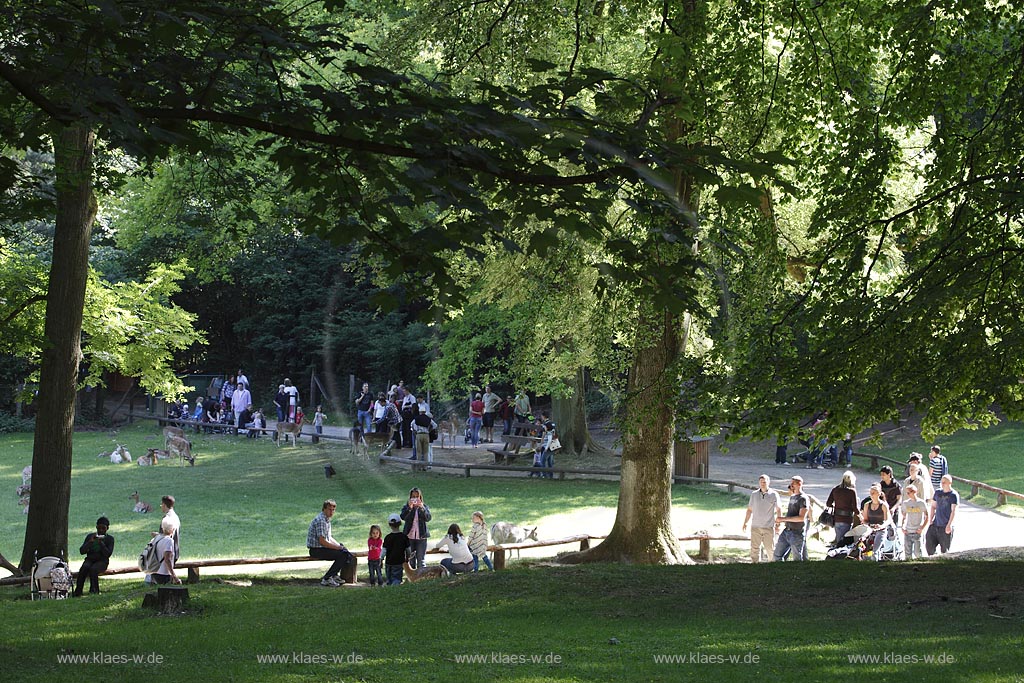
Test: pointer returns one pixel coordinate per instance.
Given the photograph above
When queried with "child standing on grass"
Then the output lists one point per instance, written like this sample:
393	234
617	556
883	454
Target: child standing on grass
395	545
478	542
375	544
318	421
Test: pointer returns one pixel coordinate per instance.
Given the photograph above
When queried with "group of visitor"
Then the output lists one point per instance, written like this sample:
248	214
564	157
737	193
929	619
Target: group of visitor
921	508
406	542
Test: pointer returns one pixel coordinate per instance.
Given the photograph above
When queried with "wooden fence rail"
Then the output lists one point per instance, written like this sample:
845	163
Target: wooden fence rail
270	429
500	556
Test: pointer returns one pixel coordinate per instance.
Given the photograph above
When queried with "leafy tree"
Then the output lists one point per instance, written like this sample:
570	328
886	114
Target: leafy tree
897	190
145	78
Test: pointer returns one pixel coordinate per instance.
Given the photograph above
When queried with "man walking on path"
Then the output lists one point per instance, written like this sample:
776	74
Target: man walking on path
940	533
762	510
938	467
792	537
915	519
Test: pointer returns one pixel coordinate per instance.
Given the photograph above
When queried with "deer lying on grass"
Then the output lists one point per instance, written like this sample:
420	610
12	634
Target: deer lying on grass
140	505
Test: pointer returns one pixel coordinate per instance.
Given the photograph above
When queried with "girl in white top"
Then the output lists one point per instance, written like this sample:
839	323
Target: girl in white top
461	560
318	420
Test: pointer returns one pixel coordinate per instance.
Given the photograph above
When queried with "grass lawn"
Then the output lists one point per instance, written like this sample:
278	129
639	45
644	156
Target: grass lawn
775	622
535	622
249	498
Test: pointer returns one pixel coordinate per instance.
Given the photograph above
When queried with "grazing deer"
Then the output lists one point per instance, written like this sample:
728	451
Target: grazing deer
140	505
182	449
504	532
284	429
433	572
446	430
171	431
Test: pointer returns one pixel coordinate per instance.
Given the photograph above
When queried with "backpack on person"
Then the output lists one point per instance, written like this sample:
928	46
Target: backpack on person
149	558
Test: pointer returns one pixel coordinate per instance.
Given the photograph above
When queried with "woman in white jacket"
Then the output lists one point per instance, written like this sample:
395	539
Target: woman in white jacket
461	560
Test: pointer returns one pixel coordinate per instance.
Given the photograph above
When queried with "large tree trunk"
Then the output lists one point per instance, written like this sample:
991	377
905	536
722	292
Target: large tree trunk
47	530
643	532
570	414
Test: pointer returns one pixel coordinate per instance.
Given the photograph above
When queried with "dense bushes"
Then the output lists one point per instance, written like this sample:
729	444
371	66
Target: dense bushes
12	423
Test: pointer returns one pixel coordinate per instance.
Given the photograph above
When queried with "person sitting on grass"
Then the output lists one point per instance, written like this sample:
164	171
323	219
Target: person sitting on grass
461	560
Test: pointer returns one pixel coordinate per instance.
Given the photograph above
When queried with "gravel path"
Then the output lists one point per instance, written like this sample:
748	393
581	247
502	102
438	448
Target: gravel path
976	528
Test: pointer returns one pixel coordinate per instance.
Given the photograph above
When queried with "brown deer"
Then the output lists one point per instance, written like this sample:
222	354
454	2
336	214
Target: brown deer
140	505
172	431
433	572
283	429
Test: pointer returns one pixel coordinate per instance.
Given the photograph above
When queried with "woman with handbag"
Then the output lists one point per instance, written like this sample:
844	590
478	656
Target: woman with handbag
843	501
550	445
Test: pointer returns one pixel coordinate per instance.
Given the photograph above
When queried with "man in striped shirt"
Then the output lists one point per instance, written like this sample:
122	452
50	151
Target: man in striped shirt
938	467
323	546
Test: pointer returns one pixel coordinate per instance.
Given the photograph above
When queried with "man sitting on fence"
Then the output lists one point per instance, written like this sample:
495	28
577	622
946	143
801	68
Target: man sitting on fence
323	546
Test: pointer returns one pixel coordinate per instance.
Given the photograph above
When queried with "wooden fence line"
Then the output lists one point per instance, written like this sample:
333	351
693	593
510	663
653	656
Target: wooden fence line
500	554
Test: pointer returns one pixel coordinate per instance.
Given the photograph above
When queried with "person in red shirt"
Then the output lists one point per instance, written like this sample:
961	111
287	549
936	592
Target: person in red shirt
375	546
476	419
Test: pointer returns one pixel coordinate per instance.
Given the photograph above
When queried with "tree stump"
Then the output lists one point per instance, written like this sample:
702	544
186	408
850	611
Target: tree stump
167	599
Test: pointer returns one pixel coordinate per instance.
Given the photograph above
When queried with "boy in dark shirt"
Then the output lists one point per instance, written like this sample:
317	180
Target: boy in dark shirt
395	545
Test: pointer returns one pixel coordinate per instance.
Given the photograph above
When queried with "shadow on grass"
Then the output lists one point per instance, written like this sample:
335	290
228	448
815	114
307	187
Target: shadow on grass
820	621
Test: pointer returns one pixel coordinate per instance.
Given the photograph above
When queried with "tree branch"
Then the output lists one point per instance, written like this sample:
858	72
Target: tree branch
24	304
378	148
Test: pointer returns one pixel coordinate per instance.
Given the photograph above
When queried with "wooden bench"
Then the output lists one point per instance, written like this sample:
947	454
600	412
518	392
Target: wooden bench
513	445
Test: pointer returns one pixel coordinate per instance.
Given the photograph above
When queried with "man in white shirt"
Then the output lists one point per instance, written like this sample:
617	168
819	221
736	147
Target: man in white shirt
762	510
240	400
491	401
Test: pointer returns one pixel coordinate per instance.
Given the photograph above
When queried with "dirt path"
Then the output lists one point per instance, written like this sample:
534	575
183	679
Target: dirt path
976	527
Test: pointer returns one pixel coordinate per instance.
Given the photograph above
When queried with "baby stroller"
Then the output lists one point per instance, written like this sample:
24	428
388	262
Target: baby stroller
815	452
889	545
51	578
854	546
